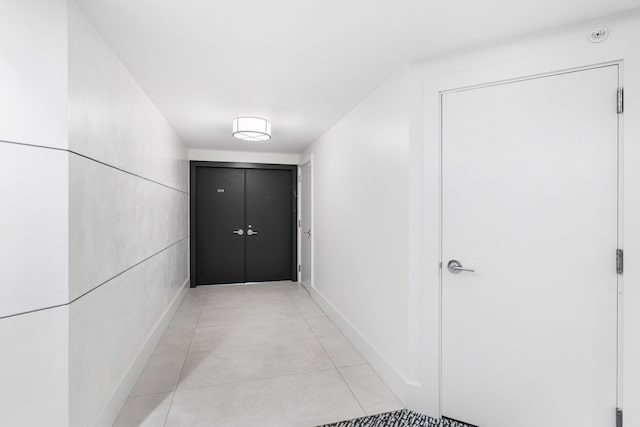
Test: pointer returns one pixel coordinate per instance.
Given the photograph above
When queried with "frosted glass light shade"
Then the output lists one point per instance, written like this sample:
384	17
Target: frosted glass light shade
252	128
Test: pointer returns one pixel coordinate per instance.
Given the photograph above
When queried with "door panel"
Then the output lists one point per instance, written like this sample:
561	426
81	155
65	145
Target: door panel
305	226
530	202
220	208
269	203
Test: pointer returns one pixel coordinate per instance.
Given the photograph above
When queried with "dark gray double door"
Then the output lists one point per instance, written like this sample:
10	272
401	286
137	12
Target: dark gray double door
243	223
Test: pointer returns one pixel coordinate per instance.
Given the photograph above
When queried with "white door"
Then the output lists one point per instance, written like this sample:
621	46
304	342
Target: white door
306	207
529	181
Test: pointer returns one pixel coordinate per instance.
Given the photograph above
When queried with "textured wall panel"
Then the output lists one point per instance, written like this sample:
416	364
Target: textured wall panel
33	228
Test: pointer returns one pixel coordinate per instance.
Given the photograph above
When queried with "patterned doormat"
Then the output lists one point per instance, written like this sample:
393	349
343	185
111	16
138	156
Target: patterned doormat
401	418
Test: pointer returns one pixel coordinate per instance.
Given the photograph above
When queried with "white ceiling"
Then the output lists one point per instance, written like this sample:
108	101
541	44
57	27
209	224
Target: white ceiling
301	63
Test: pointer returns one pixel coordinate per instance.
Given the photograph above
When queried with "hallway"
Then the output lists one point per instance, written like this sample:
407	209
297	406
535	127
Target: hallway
255	355
452	182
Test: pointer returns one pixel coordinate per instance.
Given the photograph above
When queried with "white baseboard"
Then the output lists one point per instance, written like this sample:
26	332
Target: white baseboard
308	286
112	407
398	384
418	401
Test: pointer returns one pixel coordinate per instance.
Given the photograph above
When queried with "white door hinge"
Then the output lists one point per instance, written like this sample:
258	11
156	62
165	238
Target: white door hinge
618	417
620	100
619	261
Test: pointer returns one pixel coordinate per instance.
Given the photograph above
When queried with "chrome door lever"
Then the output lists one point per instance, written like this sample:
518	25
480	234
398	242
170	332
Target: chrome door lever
455	267
239	232
251	232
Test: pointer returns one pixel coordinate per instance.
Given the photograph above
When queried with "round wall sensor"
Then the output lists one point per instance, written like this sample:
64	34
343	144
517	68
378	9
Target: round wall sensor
598	35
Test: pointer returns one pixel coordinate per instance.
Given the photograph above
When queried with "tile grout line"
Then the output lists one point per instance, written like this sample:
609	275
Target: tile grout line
360	404
352	392
313	332
237	347
314	339
204	296
257	322
166	417
342	376
332	362
251	380
341	335
308	325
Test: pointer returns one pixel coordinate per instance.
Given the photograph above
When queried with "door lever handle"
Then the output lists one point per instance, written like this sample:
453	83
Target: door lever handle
251	232
239	232
454	266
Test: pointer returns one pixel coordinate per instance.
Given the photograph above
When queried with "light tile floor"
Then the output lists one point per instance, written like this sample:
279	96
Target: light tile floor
253	355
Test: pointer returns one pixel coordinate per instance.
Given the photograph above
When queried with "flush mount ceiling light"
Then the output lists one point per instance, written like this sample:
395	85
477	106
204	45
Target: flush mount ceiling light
252	128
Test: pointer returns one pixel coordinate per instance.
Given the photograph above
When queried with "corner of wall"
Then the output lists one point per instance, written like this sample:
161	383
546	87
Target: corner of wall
365	176
128	226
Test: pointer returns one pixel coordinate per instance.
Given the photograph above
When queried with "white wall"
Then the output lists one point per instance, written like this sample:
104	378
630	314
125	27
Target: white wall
33	213
128	237
34	369
244	156
552	51
33	90
361	226
33	76
377	204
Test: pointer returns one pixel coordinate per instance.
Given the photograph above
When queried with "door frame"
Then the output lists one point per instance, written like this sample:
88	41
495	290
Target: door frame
620	175
308	163
193	185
